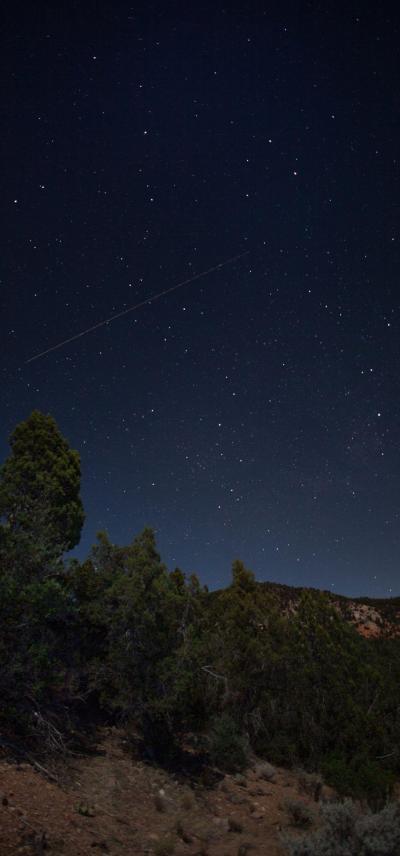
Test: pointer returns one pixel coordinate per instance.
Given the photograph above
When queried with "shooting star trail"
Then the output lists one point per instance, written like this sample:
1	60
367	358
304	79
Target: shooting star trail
145	302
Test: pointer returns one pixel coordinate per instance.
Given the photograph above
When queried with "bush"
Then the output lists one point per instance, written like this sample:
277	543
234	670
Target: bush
347	833
300	814
228	748
310	783
380	833
359	778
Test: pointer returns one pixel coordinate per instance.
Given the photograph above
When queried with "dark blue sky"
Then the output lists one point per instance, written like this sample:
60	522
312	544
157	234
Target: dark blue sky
254	413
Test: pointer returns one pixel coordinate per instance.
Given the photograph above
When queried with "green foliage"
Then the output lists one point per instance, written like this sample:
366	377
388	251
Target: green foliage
37	648
361	776
118	636
39	496
41	516
304	687
228	748
145	618
242	578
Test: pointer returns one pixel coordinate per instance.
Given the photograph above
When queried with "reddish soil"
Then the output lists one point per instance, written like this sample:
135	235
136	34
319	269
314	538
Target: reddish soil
111	803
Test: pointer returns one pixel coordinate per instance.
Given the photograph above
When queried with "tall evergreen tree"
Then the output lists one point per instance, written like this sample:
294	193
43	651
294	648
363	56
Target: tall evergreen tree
41	511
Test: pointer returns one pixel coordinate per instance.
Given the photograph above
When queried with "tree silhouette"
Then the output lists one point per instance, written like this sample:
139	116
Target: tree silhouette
40	507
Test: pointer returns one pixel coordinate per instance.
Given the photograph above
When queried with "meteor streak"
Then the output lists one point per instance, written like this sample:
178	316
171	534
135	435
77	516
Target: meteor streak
148	300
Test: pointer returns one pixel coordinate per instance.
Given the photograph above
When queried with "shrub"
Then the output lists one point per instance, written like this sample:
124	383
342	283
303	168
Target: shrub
347	833
380	833
362	777
228	748
310	783
299	813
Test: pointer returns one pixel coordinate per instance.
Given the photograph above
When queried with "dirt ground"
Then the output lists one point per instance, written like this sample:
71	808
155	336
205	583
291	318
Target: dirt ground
112	803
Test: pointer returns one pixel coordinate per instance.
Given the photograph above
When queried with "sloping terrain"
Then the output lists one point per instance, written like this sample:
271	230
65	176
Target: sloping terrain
372	617
111	803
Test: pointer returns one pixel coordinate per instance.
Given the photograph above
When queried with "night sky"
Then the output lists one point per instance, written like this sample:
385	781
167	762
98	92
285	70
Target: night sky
253	413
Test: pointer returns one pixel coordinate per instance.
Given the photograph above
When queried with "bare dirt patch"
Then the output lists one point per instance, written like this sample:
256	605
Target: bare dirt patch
112	803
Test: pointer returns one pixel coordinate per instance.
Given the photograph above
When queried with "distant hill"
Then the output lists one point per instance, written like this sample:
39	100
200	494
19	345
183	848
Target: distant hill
372	617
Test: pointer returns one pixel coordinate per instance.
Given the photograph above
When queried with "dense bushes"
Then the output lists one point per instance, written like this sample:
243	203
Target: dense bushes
120	637
348	832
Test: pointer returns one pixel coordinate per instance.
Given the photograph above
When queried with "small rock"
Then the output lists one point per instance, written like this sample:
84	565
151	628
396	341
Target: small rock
160	802
265	771
234	825
257	792
186	837
235	799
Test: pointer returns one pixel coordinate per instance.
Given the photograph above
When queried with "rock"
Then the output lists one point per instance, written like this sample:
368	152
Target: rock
234	825
257	791
265	771
235	799
186	837
258	815
327	795
160	802
36	842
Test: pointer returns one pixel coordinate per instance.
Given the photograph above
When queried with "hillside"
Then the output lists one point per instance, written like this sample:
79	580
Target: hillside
297	677
111	802
372	617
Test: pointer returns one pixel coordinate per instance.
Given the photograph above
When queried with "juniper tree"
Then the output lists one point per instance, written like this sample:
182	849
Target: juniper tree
41	511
